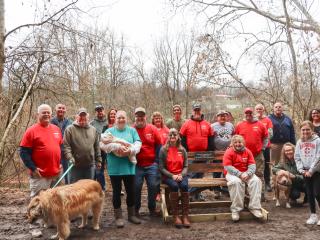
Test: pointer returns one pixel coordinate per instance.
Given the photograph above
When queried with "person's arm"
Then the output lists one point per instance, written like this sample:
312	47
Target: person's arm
26	156
67	146
277	168
265	143
251	169
184	142
210	143
97	151
185	163
270	131
136	146
298	160
162	164
292	134
316	163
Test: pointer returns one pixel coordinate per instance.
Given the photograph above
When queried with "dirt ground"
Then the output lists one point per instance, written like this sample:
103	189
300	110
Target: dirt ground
282	224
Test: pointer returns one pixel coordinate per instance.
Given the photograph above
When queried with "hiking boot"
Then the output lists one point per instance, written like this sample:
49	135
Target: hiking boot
119	218
132	216
313	219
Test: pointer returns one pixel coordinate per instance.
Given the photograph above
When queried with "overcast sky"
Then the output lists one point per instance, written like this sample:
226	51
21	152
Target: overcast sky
140	21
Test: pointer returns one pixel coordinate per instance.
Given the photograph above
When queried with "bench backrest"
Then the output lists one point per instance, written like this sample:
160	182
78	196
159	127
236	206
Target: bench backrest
205	162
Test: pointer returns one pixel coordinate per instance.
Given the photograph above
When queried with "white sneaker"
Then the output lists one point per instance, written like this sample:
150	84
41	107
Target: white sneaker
256	212
318	223
313	219
235	216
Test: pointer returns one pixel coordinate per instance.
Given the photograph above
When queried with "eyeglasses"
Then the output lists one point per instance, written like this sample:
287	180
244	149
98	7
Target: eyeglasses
314	113
173	134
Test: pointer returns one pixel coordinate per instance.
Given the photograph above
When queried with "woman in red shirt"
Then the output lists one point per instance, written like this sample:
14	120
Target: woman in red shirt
174	167
158	122
240	169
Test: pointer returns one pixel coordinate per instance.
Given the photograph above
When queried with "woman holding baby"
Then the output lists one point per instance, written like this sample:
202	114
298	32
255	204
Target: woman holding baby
120	168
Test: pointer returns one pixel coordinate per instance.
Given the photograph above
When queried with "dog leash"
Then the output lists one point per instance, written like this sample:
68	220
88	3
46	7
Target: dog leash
63	175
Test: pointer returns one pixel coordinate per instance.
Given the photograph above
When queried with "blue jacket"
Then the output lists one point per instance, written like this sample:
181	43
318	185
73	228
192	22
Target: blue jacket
283	130
63	125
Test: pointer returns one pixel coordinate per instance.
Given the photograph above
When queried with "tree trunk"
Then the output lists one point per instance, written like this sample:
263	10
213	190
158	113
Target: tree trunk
2	30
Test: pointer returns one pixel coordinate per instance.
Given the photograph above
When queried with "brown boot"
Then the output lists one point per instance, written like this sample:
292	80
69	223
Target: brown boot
174	201
185	209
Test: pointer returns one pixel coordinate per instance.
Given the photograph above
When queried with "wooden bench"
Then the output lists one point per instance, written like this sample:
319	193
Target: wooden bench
206	163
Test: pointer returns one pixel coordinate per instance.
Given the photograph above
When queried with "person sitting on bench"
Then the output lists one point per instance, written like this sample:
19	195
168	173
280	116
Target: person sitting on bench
240	170
173	165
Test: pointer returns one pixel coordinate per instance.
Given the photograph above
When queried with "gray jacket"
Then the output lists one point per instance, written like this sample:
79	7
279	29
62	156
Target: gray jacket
99	124
81	145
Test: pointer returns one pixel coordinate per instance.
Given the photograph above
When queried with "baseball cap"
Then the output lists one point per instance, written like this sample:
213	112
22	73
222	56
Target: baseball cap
221	112
196	106
247	110
82	110
99	106
139	109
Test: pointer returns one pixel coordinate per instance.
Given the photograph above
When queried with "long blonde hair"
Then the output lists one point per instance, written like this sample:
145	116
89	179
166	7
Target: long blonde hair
283	158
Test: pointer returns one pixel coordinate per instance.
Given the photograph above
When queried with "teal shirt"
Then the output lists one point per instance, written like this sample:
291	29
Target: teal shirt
121	165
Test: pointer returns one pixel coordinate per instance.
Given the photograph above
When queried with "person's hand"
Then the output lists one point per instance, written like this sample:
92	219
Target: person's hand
98	165
36	173
179	179
72	161
307	174
175	177
244	177
292	176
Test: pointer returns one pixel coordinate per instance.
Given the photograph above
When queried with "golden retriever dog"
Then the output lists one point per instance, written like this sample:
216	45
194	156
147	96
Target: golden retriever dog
59	205
282	182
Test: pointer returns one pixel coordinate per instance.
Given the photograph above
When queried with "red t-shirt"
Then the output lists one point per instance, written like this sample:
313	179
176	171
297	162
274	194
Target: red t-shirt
150	138
239	160
45	143
174	160
197	134
268	124
253	134
163	134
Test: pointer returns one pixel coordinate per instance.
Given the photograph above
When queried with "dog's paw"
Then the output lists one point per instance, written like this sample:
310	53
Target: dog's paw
81	226
277	203
54	236
288	205
274	198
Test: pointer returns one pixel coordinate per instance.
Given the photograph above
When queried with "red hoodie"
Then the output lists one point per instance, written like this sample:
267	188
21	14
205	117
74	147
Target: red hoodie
197	133
253	134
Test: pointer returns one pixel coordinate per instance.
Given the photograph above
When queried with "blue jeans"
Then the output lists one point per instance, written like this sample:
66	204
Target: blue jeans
65	165
81	173
175	186
99	176
151	175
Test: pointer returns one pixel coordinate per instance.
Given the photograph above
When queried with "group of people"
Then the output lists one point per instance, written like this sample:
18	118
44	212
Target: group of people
157	152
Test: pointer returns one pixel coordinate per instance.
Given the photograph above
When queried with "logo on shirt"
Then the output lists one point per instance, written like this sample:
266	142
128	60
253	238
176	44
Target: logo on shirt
56	135
244	159
203	127
255	128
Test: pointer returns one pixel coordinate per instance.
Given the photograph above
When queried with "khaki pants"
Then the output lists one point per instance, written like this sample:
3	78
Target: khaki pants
38	184
260	168
237	192
275	153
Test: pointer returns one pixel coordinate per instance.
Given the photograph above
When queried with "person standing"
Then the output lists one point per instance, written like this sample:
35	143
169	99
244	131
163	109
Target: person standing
40	151
256	139
283	131
147	167
307	157
223	132
157	121
62	122
81	147
314	117
240	170
259	108
174	167
99	122
120	169
197	136
177	121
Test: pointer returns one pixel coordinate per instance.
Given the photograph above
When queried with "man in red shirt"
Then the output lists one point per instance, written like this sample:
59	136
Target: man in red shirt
197	136
40	151
256	138
147	168
240	170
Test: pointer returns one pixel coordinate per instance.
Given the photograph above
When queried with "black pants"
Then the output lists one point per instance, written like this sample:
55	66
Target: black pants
266	155
313	190
129	184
